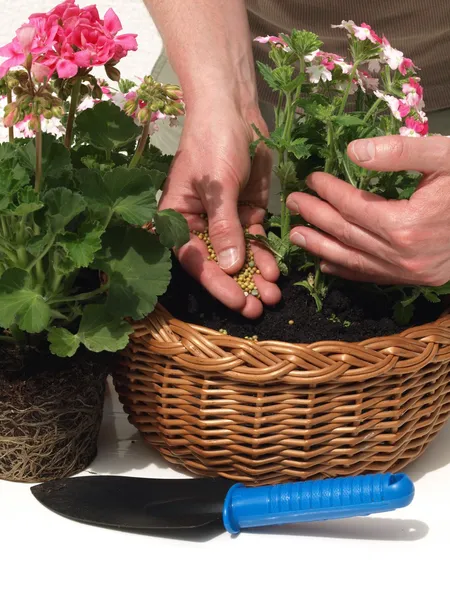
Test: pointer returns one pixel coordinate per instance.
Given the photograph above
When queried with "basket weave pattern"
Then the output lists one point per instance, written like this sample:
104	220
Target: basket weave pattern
271	412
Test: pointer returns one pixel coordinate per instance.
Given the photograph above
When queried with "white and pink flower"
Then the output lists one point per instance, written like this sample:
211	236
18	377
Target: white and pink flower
394	58
414	128
274	40
399	108
318	73
360	32
414	93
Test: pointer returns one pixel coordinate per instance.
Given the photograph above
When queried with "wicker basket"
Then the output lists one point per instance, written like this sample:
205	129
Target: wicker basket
271	412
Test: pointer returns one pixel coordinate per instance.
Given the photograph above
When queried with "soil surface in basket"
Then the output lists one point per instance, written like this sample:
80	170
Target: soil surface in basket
350	312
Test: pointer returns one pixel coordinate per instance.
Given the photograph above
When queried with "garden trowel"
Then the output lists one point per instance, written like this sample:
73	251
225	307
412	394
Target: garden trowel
140	504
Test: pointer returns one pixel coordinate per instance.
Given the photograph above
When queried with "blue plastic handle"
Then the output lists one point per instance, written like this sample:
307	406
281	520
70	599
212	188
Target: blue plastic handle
338	498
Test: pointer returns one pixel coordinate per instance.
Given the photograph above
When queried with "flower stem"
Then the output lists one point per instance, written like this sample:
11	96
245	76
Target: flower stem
141	146
72	110
82	297
348	89
10	129
372	109
38	176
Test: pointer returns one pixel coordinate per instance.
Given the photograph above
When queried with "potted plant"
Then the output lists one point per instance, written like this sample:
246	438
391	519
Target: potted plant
82	248
339	378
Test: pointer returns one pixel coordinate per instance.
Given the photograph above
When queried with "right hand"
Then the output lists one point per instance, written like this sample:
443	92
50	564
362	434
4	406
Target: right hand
212	174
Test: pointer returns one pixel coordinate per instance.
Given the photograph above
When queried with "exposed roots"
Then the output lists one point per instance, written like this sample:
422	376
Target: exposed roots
50	418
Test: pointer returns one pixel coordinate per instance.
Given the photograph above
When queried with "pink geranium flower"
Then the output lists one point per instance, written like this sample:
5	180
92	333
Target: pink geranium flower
68	38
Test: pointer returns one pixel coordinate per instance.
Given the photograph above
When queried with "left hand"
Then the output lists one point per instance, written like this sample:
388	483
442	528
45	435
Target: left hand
364	237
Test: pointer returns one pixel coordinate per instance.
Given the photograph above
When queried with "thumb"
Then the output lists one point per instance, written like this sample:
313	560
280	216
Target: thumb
225	230
397	153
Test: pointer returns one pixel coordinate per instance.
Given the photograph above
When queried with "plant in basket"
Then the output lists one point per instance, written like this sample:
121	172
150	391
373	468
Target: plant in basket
341	377
325	102
82	249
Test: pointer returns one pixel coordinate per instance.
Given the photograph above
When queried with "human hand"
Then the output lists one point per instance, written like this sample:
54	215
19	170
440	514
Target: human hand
212	174
364	237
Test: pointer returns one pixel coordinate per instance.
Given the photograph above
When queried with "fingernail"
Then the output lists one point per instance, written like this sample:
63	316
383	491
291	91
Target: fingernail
325	268
364	150
228	258
292	206
298	240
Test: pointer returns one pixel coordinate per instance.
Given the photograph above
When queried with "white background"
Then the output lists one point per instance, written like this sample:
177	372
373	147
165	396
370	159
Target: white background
401	555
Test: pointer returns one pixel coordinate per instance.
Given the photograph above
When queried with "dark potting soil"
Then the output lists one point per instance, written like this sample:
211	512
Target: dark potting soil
350	312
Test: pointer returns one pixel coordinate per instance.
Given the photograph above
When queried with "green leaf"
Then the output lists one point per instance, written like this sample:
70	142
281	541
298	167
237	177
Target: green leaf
172	228
299	148
277	244
138	267
21	305
55	157
107	127
282	77
129	193
81	247
27	202
313	293
441	290
430	295
62	205
7	151
403	314
158	178
348	120
304	42
62	342
38	243
100	331
287	175
267	74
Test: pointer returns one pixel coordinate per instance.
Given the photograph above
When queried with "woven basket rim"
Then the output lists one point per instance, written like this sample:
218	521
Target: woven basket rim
442	322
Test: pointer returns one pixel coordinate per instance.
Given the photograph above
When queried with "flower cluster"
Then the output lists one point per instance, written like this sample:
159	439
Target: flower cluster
152	101
371	53
66	39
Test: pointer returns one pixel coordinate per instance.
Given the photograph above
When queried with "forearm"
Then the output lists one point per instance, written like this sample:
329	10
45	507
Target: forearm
209	47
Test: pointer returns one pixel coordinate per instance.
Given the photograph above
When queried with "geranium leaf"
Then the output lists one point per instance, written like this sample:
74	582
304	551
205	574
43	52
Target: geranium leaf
100	331
62	206
172	228
62	342
55	157
20	304
138	269
129	193
107	127
81	247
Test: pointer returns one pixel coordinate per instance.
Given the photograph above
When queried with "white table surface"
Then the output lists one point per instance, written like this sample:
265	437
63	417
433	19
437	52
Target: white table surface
399	555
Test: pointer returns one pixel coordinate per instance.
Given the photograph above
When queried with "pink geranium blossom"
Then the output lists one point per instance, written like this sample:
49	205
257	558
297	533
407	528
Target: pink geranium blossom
68	38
